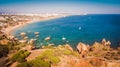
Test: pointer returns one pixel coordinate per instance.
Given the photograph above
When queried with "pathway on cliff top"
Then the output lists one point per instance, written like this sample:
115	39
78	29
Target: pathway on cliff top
35	53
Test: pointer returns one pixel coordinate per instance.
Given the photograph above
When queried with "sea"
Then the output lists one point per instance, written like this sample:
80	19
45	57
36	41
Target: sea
74	29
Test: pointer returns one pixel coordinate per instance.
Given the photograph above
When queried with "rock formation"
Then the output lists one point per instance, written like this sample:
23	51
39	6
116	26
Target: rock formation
106	43
23	41
22	33
82	63
82	49
36	33
47	38
31	41
69	47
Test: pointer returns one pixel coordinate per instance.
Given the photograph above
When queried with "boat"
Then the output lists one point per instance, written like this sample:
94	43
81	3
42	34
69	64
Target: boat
80	28
63	38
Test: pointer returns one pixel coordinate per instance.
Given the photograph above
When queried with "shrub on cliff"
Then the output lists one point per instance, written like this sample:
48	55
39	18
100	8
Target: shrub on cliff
20	56
24	64
67	52
39	63
35	63
49	55
3	50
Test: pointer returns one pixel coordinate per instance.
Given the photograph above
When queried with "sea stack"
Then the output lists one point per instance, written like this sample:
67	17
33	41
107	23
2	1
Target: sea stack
36	33
47	38
31	41
22	33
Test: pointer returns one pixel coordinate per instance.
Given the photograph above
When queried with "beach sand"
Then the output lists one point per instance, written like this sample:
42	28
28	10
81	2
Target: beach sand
10	29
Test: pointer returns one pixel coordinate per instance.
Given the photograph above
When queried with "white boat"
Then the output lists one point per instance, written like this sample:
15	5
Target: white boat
63	38
80	28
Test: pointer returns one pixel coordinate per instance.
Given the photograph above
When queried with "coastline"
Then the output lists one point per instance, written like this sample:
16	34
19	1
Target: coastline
10	29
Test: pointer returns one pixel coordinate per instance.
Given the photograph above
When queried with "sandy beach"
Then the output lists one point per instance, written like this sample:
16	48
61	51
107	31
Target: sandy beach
12	28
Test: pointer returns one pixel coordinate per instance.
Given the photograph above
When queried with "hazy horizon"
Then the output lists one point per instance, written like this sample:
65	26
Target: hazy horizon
61	6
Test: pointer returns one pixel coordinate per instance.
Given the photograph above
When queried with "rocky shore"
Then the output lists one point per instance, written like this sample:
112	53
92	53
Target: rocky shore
97	55
16	52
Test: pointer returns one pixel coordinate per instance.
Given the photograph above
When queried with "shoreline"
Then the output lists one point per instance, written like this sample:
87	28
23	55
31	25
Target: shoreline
10	29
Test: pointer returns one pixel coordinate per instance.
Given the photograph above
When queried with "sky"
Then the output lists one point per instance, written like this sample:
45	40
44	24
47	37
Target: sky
61	6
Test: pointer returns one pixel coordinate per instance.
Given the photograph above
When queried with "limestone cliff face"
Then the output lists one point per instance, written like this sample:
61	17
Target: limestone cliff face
81	47
95	62
69	47
82	63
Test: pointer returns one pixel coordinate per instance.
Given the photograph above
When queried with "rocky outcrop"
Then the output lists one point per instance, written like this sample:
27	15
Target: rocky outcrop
36	33
113	64
4	42
22	33
47	38
31	41
81	47
23	41
106	43
69	47
28	47
82	63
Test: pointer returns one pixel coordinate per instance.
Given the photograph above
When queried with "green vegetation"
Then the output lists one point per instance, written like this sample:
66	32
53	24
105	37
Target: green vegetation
24	64
104	49
39	63
67	52
49	55
20	56
91	62
90	54
3	50
74	53
35	63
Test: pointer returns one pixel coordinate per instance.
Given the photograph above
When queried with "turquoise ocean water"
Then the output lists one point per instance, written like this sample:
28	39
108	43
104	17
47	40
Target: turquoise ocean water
76	28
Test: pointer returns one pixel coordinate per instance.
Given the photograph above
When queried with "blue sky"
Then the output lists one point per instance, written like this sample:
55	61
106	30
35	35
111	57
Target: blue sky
61	6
